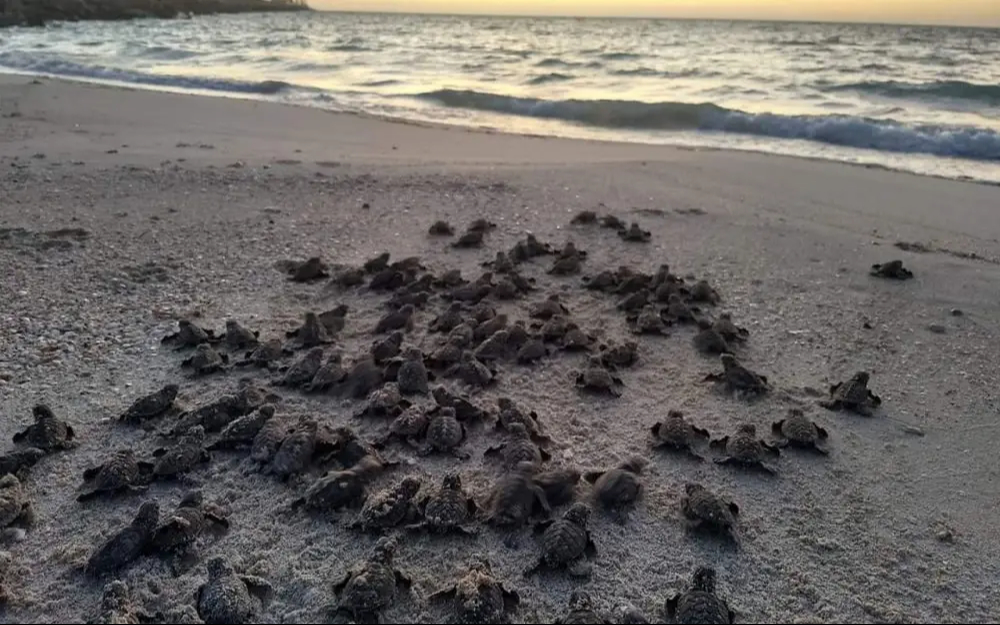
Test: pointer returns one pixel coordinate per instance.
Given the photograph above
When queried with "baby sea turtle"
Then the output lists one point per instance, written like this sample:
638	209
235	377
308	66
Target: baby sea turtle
710	341
635	234
18	461
738	378
441	228
576	340
348	277
704	510
598	379
581	611
566	542
471	371
389	347
371	584
385	401
489	326
493	348
744	449
444	434
185	455
334	319
479	596
461	335
348	448
853	395
623	355
451	317
510	414
311	333
188	335
554	329
175	538
205	360
48	433
447	509
230	598
401	319
119	473
648	321
558	484
118	606
584	218
445	356
703	292
241	432
798	431
518	448
612	222
678	311
412	376
127	544
15	506
566	266
730	331
532	351
238	337
410	426
151	406
309	270
330	374
634	302
548	308
606	280
363	377
389	507
700	604
515	497
677	433
464	409
296	451
618	488
265	354
336	490
389	279
469	239
893	269
377	263
268	439
303	370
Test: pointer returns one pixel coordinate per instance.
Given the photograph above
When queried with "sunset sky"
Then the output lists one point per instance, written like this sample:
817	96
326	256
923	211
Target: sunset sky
966	12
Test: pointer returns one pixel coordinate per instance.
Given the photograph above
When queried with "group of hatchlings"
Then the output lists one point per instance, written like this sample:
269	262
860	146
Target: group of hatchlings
477	339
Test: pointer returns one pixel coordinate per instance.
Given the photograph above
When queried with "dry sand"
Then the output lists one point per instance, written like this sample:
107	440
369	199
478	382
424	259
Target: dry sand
893	526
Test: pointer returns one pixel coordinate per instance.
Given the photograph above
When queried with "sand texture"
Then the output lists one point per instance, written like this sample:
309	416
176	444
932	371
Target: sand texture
122	212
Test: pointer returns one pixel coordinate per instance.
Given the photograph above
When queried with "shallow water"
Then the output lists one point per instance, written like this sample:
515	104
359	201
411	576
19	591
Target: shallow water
924	99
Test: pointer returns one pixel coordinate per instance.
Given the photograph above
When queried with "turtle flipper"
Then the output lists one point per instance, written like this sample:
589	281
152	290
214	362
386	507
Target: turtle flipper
671	606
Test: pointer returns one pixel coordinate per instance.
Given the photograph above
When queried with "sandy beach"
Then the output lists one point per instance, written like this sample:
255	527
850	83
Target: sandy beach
123	211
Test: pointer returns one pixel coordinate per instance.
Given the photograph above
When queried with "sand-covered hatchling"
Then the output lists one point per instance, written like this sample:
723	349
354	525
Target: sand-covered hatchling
389	508
738	378
744	449
617	355
48	432
363	377
854	396
336	490
241	432
412	376
188	335
239	337
725	326
451	317
635	234
410	426
678	311
121	472
401	319
302	371
372	584
389	347
329	375
311	333
464	409
227	597
493	348
548	308
596	378
389	279
309	270
532	351
566	543
797	430
471	371
648	321
118	607
268	439
177	534
479	597
518	448
606	280
618	488
892	269
700	603
186	454
445	433
151	406
441	228
581	610
576	340
444	356
15	504
489	326
678	434
515	497
18	461
566	266
219	412
461	335
558	484
334	319
296	451
446	509
127	544
385	401
205	360
704	510
264	355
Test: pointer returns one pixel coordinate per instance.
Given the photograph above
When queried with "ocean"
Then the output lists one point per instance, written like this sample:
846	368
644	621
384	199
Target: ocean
921	99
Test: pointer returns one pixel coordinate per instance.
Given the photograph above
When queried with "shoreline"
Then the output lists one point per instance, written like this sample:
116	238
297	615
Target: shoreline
259	98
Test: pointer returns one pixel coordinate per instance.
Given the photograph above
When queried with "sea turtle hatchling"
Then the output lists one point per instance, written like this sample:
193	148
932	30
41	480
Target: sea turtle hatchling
730	331
412	376
121	472
188	335
596	378
303	370
853	395
311	333
363	377
566	542
118	607
678	434
710	341
464	409
205	360
479	597
558	484
19	460
241	432
704	510
703	292
620	355
444	434
151	406
183	456
268	439
238	337
515	497
700	604
389	507
296	450
576	340
617	489
510	414
227	597
893	270
401	319
518	448
584	218
389	347
738	378
177	534
548	308
441	228
581	611
471	371
330	374
264	355
309	270
372	584
612	222
446	321
336	490
48	432
334	319
377	263
532	351
744	449
447	509
796	430
410	426
635	234
493	348
385	401
127	544
15	506
648	321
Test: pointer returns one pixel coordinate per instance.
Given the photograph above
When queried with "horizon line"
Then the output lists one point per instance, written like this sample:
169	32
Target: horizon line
657	17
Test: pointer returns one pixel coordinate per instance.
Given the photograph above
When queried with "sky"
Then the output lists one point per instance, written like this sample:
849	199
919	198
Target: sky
964	12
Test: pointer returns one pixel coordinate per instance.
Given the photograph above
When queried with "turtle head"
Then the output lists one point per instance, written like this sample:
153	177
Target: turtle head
409	486
184	323
452	481
193	499
42	413
447	412
336	357
796	412
170	391
595	362
148	516
747	429
704	579
231	325
218	567
692	487
505	403
635	464
340	310
517	430
311	319
526	468
578	513
862	377
115	596
267	411
396	338
384	549
725	316
581	601
728	360
675	414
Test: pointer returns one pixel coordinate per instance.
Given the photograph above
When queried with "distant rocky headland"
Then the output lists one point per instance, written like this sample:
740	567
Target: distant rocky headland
39	12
